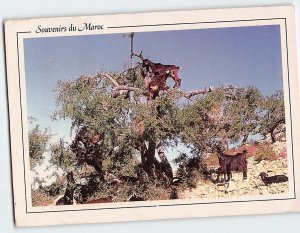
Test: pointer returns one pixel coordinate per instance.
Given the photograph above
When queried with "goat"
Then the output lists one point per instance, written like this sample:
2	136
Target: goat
158	69
160	73
272	179
165	167
229	163
174	193
67	198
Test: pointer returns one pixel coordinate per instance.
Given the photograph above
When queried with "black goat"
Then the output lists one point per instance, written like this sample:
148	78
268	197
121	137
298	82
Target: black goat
67	199
174	193
272	179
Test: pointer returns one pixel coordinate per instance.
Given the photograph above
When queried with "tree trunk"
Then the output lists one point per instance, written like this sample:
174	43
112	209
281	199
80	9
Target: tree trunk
273	136
149	156
143	152
245	139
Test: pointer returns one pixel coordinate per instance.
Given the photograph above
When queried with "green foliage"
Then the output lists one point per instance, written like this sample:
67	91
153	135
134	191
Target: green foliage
38	141
199	130
161	119
223	115
62	157
87	102
226	115
273	116
122	192
243	113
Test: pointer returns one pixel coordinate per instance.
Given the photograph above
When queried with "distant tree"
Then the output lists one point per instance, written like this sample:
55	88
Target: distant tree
61	156
273	115
38	141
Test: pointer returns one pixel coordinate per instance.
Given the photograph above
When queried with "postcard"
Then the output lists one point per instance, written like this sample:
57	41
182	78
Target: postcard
152	116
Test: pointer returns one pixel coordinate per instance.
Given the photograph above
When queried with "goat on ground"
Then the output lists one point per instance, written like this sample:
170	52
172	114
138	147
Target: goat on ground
67	198
174	193
229	163
272	179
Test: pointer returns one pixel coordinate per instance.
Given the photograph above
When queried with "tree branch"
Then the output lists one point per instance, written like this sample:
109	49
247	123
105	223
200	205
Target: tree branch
205	91
110	78
196	92
118	88
138	55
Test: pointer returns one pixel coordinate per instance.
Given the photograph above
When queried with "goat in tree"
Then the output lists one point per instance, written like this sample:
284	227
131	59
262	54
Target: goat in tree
160	73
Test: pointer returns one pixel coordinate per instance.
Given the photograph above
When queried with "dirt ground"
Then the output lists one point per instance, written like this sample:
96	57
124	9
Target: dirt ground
238	187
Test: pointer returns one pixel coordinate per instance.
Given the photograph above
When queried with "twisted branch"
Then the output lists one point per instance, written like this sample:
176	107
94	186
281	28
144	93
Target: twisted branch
118	87
109	77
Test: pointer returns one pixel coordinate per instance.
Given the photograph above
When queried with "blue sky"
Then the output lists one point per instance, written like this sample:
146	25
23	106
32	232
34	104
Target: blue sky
207	57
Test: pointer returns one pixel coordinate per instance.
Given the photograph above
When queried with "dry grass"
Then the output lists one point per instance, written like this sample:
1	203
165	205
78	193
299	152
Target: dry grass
39	198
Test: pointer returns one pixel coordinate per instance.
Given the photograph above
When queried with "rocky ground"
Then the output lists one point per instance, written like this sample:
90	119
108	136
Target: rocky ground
239	187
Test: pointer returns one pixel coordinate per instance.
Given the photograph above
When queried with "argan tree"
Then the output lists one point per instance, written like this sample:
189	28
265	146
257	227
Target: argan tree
121	119
274	115
242	113
38	142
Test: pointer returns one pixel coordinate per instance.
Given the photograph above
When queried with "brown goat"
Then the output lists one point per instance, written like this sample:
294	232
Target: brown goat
160	74
159	69
230	163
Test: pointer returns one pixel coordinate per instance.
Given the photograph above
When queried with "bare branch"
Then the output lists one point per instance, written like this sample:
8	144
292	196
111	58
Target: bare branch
138	55
197	92
202	92
118	88
110	78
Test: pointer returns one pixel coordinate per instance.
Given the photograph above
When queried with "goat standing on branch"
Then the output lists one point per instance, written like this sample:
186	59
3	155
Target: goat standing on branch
160	74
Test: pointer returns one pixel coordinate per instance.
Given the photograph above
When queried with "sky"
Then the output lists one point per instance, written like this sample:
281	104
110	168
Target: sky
207	57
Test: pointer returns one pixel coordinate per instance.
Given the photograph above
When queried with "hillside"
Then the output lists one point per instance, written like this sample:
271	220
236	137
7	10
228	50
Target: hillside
253	185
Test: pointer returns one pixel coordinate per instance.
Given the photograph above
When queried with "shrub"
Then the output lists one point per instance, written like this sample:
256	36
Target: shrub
264	152
40	198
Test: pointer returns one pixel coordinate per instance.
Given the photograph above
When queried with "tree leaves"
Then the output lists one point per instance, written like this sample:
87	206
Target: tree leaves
220	115
38	141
